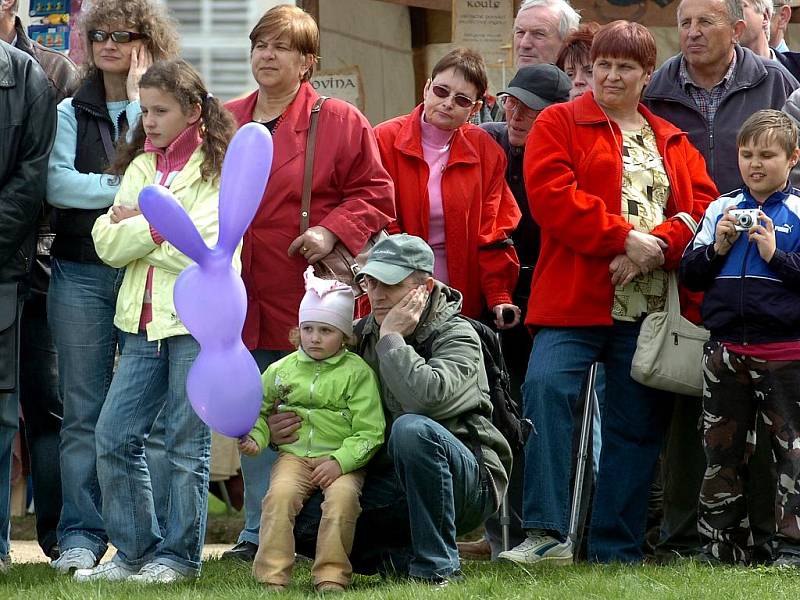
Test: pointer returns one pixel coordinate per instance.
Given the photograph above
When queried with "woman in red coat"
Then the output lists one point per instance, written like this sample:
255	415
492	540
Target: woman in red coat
352	197
450	187
605	179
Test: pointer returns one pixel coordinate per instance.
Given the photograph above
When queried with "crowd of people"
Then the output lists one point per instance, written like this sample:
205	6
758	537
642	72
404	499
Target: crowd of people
559	211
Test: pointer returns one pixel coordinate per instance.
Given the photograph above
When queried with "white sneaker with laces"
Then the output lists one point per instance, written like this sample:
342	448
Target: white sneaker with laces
108	571
157	573
74	558
540	547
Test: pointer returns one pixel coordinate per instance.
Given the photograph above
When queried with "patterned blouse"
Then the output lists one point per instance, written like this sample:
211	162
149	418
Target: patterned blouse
645	189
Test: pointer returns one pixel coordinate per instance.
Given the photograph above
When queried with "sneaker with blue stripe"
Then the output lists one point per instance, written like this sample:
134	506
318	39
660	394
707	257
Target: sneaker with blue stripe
540	547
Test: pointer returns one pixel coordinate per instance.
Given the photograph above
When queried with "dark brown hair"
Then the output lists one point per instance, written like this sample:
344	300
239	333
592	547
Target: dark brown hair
626	40
299	27
469	64
179	78
769	125
577	46
147	16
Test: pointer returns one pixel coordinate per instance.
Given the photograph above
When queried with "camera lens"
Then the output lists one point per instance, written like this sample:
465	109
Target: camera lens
745	221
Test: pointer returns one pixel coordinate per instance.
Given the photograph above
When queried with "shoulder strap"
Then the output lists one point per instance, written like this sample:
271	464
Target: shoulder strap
105	135
305	205
687	220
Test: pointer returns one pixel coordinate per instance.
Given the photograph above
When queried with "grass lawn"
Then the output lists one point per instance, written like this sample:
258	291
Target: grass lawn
226	580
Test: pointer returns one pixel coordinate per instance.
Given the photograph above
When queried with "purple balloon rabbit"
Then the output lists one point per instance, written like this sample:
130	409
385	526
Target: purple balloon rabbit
224	383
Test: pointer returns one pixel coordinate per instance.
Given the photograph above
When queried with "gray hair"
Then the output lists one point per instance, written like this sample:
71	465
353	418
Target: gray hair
735	10
762	6
568	18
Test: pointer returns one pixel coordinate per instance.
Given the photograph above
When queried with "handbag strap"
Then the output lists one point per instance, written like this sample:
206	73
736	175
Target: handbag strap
673	304
688	221
305	204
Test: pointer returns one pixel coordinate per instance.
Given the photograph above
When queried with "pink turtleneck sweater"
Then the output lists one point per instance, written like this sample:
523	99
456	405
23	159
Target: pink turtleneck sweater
169	162
436	151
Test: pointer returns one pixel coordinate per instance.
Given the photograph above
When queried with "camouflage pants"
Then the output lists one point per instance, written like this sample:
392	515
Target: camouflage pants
738	390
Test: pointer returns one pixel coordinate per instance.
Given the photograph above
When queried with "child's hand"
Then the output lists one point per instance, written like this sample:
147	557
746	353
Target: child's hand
120	213
248	446
726	233
764	236
326	473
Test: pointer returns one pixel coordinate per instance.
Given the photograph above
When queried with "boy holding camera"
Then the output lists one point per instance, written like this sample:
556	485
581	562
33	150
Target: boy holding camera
746	258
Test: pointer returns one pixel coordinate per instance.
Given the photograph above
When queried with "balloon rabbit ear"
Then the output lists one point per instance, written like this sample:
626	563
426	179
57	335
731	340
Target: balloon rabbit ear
169	218
245	173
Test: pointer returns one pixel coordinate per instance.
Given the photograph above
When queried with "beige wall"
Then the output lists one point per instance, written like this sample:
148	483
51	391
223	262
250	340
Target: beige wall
376	36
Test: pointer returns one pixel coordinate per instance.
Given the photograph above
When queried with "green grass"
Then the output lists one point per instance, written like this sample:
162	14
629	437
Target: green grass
223	580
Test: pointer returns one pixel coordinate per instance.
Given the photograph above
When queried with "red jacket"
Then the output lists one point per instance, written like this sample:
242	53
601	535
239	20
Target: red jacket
573	176
479	209
352	196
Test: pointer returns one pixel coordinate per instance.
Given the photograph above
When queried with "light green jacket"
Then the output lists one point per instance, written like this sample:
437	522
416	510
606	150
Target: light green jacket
338	401
129	243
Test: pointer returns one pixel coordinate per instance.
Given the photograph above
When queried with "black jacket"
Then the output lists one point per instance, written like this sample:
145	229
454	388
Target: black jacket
27	129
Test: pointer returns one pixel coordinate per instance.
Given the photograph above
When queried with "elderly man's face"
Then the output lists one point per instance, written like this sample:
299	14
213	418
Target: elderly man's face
706	33
536	37
755	26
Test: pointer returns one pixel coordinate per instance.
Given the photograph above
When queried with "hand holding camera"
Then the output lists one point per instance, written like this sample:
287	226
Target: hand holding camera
759	226
763	234
726	233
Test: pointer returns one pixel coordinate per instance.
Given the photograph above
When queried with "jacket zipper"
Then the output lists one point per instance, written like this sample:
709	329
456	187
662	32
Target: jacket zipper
310	410
741	294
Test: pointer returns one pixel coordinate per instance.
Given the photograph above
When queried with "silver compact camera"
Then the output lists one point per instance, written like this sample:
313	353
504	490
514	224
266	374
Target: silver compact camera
745	218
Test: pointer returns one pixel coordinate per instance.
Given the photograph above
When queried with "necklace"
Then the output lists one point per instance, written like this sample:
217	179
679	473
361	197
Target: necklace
265	123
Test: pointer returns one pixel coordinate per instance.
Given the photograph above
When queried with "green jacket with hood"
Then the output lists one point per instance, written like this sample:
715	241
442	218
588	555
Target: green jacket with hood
450	388
338	401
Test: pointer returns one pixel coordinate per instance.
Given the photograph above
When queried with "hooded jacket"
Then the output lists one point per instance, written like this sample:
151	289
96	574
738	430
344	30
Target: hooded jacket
748	300
450	388
337	400
757	84
28	118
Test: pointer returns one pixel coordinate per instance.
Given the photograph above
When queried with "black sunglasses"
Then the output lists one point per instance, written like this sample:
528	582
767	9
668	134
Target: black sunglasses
461	100
120	37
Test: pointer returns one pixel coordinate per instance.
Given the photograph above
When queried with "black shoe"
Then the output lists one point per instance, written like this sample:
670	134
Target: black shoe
245	551
440	581
53	553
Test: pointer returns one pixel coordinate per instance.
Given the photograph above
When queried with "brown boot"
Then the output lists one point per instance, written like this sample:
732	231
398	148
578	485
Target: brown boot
477	550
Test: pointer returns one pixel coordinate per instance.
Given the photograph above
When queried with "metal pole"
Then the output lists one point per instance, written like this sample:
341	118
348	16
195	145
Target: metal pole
583	454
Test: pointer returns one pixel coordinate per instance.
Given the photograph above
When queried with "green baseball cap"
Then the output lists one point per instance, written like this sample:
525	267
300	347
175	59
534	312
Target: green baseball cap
396	257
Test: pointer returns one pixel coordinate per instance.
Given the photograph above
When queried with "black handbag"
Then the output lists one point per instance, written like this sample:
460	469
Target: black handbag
9	337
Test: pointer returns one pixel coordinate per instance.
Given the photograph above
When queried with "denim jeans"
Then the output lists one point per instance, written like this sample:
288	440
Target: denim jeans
9	422
81	303
632	424
446	491
42	410
151	379
256	469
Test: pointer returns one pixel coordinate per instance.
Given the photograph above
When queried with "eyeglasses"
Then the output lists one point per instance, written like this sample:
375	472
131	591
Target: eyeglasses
512	105
460	100
120	37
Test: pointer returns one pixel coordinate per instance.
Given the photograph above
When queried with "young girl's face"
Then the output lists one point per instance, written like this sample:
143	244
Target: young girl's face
163	118
320	340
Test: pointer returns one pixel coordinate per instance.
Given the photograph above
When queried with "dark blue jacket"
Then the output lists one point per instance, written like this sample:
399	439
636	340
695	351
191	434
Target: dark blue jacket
748	300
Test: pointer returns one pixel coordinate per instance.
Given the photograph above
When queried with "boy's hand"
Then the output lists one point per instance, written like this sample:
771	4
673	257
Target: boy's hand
326	473
248	446
726	233
764	236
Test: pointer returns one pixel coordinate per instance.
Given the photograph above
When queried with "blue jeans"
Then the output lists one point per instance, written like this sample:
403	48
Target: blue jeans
151	379
445	489
632	423
9	421
256	469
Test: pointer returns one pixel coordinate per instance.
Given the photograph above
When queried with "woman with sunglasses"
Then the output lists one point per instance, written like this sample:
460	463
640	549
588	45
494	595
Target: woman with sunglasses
450	188
123	38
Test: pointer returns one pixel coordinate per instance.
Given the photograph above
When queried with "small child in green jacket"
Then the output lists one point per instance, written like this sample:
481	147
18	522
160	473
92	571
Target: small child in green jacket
336	395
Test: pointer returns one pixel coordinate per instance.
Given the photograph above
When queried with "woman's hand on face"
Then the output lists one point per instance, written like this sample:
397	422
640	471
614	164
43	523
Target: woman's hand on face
499	322
314	244
120	213
764	236
623	270
646	250
141	60
726	233
283	428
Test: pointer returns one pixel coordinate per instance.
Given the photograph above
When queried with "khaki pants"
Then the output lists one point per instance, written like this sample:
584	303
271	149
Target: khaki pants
290	486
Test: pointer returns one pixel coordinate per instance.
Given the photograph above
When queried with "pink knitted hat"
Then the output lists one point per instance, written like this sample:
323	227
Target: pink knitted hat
327	301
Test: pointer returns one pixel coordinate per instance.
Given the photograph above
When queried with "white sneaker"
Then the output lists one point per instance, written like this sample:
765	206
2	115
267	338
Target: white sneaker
74	558
108	571
157	573
540	547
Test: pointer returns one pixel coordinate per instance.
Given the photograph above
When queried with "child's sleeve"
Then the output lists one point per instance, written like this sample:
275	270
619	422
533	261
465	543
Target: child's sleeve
787	266
260	431
119	244
368	425
700	264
